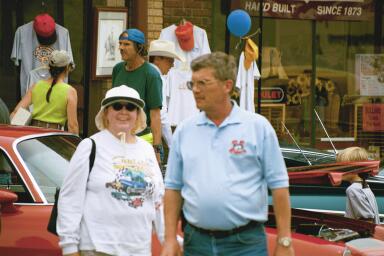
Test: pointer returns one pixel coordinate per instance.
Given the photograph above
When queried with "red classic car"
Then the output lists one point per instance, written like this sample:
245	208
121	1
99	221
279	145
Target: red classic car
34	161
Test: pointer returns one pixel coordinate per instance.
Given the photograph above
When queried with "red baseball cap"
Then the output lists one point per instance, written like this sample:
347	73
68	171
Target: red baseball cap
184	34
44	25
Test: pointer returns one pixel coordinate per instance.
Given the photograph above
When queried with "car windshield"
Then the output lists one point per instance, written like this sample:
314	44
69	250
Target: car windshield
294	157
47	158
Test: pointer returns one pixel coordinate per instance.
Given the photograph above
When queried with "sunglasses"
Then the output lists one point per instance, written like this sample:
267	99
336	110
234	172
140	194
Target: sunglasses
128	106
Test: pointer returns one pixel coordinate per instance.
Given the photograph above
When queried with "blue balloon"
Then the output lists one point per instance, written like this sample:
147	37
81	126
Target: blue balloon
239	22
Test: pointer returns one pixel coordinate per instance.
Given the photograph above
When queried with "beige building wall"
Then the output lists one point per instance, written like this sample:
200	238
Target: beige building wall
155	19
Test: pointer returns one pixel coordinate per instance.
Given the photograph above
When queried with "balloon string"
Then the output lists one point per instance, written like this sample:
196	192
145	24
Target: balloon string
246	37
253	34
238	44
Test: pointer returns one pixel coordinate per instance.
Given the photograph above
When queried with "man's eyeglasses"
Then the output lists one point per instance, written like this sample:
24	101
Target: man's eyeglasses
201	84
128	106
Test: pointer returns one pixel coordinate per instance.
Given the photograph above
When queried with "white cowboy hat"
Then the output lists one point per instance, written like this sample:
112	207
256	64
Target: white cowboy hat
121	93
164	48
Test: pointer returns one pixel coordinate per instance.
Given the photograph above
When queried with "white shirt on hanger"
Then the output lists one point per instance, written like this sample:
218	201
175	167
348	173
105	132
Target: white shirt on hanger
246	83
201	44
181	101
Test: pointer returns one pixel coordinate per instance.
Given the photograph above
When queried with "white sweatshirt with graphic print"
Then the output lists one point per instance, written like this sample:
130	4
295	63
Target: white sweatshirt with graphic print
115	210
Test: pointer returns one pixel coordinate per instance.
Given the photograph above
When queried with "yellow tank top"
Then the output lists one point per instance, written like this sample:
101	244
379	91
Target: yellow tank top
54	111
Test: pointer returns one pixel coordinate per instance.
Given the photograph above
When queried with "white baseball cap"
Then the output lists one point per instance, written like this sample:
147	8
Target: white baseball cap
164	48
59	58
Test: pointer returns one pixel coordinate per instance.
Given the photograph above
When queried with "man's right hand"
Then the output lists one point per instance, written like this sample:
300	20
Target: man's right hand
171	248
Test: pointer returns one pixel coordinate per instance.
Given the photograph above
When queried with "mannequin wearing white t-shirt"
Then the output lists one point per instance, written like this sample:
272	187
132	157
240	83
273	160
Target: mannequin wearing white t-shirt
201	44
181	101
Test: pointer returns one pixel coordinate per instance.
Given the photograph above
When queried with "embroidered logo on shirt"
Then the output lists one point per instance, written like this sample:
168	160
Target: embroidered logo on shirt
237	147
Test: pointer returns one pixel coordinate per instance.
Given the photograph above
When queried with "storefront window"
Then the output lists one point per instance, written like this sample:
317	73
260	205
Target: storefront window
326	59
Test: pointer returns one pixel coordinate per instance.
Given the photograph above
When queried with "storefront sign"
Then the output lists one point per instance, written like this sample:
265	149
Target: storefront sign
373	117
272	94
309	9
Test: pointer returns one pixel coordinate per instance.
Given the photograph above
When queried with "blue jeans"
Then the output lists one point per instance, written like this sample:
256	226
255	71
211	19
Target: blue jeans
251	242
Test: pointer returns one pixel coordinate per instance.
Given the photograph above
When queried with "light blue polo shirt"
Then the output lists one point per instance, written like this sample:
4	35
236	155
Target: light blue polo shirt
223	172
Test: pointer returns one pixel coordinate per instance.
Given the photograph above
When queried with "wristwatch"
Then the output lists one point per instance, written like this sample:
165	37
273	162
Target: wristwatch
158	148
285	241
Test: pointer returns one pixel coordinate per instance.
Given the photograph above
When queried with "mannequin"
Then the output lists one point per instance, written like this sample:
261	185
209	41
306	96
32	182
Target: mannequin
43	36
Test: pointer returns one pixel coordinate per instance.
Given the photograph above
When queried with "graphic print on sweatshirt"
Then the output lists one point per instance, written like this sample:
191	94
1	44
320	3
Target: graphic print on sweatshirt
133	182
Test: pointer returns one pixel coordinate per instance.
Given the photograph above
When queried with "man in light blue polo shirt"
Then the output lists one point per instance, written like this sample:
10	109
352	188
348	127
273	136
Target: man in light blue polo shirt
220	165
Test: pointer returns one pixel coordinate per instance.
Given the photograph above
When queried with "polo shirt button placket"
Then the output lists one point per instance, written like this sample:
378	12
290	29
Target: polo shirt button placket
215	139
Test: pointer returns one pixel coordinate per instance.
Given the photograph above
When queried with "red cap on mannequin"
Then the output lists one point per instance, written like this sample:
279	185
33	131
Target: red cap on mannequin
184	34
44	25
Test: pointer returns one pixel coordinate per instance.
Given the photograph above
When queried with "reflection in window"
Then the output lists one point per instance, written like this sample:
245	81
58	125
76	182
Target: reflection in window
47	158
10	180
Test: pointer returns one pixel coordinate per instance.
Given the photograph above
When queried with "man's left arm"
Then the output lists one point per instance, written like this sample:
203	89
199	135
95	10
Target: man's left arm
156	128
282	210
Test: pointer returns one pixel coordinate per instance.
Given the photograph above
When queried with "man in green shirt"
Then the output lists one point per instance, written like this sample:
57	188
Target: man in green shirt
138	74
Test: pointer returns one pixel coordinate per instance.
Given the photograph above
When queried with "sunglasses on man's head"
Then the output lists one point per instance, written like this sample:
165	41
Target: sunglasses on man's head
128	106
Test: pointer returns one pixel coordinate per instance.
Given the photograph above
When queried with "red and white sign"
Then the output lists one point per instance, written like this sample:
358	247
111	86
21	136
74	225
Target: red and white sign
373	117
272	94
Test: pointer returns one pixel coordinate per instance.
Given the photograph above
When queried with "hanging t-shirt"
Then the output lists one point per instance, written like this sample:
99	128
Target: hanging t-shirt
26	48
246	83
40	73
181	101
201	45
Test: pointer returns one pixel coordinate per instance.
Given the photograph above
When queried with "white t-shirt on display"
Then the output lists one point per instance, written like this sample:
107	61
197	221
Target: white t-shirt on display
181	101
246	83
201	44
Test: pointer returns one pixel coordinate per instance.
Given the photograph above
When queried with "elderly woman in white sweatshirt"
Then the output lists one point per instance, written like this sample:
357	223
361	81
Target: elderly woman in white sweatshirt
112	209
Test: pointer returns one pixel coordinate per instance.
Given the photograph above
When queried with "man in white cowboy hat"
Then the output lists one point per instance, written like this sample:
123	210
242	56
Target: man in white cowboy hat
162	54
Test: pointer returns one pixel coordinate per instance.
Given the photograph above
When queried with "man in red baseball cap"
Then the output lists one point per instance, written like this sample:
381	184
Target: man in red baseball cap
44	26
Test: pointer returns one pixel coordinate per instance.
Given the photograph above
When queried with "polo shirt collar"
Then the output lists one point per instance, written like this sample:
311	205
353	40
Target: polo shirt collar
232	118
